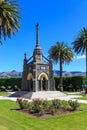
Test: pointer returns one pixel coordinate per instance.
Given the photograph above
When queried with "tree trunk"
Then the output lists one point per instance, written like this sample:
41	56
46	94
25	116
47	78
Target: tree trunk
86	65
61	80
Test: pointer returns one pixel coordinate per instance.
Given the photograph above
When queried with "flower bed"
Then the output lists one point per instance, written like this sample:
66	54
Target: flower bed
44	108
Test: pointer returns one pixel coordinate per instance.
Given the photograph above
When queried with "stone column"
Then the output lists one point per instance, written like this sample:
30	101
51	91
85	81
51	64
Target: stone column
35	80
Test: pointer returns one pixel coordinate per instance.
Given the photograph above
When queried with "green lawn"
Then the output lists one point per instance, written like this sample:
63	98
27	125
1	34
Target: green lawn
14	120
84	97
4	94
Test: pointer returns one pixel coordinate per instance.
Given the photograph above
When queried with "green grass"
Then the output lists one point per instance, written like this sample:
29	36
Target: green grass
4	94
72	93
84	97
14	120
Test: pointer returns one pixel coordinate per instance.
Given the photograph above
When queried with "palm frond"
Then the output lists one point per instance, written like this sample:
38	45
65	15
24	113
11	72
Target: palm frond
9	18
80	43
61	50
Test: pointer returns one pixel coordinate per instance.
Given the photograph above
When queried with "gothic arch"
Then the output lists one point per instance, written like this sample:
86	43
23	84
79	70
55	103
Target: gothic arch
29	76
42	75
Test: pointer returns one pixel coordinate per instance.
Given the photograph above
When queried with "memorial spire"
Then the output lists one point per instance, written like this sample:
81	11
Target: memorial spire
37	35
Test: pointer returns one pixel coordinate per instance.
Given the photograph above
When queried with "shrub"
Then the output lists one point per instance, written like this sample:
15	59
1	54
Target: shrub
70	83
15	88
73	104
46	107
53	106
56	103
36	104
3	88
52	110
9	87
30	107
64	104
11	82
25	104
45	104
20	102
41	110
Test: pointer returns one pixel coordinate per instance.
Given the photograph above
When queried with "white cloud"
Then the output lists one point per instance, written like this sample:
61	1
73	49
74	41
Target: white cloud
80	57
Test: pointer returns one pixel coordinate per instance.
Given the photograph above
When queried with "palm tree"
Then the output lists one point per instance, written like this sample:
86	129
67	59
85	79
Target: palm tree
9	16
61	53
80	44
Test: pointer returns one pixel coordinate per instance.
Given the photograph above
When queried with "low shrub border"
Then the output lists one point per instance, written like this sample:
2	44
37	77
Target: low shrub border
41	107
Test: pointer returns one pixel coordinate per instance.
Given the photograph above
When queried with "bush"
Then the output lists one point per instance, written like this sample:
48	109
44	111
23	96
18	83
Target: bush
41	110
56	103
54	106
46	107
36	104
30	106
16	88
64	105
45	104
11	82
20	102
52	110
73	104
9	87
70	83
3	88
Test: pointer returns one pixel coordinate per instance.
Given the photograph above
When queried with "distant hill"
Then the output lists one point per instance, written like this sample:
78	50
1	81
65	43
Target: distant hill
15	73
11	74
66	73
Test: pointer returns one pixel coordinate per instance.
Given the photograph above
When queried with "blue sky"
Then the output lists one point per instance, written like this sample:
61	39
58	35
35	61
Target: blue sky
59	20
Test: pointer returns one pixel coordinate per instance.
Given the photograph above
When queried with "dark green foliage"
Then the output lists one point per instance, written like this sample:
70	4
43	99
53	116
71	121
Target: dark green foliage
57	83
9	87
23	104
2	88
46	107
37	104
77	82
73	104
9	18
2	82
14	83
20	102
80	44
52	110
64	105
84	79
45	104
72	83
30	106
61	53
56	103
15	88
54	106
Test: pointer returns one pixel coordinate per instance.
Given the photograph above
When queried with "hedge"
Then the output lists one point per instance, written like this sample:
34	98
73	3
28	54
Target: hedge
11	83
72	83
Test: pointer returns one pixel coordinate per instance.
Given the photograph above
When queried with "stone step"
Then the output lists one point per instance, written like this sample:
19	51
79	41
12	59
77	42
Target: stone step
40	94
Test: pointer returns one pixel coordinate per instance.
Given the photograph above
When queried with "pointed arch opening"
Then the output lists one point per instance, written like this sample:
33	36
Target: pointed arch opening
42	75
30	81
43	81
29	76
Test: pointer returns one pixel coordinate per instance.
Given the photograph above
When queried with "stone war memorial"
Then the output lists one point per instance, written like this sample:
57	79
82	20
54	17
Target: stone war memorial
37	70
37	75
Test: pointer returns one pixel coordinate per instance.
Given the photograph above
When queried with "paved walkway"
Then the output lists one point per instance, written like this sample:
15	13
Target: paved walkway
8	98
66	98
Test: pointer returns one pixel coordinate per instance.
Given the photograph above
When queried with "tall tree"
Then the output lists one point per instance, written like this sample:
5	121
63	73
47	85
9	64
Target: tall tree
80	44
9	18
61	53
